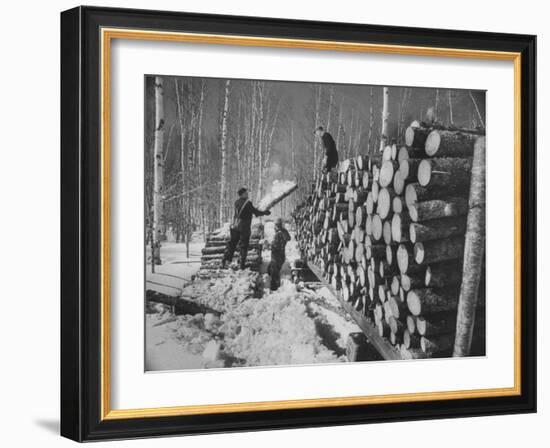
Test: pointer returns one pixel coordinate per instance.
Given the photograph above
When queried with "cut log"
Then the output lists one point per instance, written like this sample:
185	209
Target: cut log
385	198
411	324
436	325
449	143
474	251
404	257
450	172
440	275
410	339
389	167
383	328
439	250
409	282
398	182
377	227
428	300
409	168
416	137
437	208
397	204
437	229
386	232
375	250
416	193
369	203
396	326
398	308
400	227
360	216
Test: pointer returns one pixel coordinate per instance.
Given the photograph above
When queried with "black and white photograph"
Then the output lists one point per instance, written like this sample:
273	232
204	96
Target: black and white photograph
294	223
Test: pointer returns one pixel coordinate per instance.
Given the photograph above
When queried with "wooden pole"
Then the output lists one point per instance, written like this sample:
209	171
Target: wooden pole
474	250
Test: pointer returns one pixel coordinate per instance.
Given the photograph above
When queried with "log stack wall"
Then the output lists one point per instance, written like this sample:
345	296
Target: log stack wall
216	244
387	233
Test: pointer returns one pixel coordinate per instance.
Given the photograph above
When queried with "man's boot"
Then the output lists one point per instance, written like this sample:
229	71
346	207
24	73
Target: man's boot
224	263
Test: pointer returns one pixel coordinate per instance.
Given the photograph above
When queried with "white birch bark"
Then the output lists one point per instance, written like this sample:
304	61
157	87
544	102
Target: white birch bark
158	206
371	120
385	118
223	150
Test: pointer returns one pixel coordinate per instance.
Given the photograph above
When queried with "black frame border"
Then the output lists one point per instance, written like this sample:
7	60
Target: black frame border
81	223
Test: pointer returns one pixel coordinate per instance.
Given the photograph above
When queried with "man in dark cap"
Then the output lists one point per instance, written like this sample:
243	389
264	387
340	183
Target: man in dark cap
240	228
331	153
278	246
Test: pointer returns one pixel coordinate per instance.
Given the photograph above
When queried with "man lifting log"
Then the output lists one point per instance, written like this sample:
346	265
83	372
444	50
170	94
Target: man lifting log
240	228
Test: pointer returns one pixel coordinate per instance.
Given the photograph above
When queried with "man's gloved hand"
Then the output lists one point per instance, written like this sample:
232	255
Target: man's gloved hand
267	213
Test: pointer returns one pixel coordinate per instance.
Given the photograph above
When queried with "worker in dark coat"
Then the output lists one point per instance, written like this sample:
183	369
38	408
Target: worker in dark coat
240	228
331	153
278	246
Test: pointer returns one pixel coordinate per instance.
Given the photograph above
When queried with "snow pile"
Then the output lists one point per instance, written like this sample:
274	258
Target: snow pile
226	292
279	190
282	328
275	330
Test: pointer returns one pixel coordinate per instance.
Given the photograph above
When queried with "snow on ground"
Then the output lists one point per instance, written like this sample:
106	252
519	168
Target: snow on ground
282	328
176	268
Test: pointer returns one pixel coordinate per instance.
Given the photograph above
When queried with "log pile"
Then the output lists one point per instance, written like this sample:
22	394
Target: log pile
214	249
387	232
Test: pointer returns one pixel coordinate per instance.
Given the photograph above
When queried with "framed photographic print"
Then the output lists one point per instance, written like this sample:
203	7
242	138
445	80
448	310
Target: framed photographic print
276	224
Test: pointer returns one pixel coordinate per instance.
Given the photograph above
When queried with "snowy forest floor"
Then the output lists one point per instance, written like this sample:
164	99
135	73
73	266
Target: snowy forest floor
283	327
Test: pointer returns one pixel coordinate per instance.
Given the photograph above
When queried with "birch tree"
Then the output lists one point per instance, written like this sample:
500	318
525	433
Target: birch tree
223	150
158	168
371	120
385	118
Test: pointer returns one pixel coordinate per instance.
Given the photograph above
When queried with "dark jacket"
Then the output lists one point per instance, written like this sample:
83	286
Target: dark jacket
245	217
280	239
330	151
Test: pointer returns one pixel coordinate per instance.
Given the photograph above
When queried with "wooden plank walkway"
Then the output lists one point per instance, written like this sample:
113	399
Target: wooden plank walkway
382	345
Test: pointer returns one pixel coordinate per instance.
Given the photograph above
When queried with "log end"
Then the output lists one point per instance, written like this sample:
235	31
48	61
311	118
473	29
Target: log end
402	258
432	143
424	172
418	252
413	302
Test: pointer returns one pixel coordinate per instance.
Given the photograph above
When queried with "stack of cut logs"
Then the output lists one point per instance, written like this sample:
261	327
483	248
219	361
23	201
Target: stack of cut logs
388	232
216	243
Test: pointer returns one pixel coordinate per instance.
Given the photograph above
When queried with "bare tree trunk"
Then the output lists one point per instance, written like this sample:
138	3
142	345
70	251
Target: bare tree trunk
350	140
474	249
223	180
477	109
436	106
450	108
199	161
261	92
292	152
385	118
158	206
371	121
339	124
330	99
316	124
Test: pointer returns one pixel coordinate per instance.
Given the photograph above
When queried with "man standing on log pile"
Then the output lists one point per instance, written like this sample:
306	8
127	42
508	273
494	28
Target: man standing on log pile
331	153
278	246
240	228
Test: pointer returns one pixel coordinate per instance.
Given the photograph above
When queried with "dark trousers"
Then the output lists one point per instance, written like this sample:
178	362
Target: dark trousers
274	271
238	236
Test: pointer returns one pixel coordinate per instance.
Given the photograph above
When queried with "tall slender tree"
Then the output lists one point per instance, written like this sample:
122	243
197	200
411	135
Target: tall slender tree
158	205
385	118
223	151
